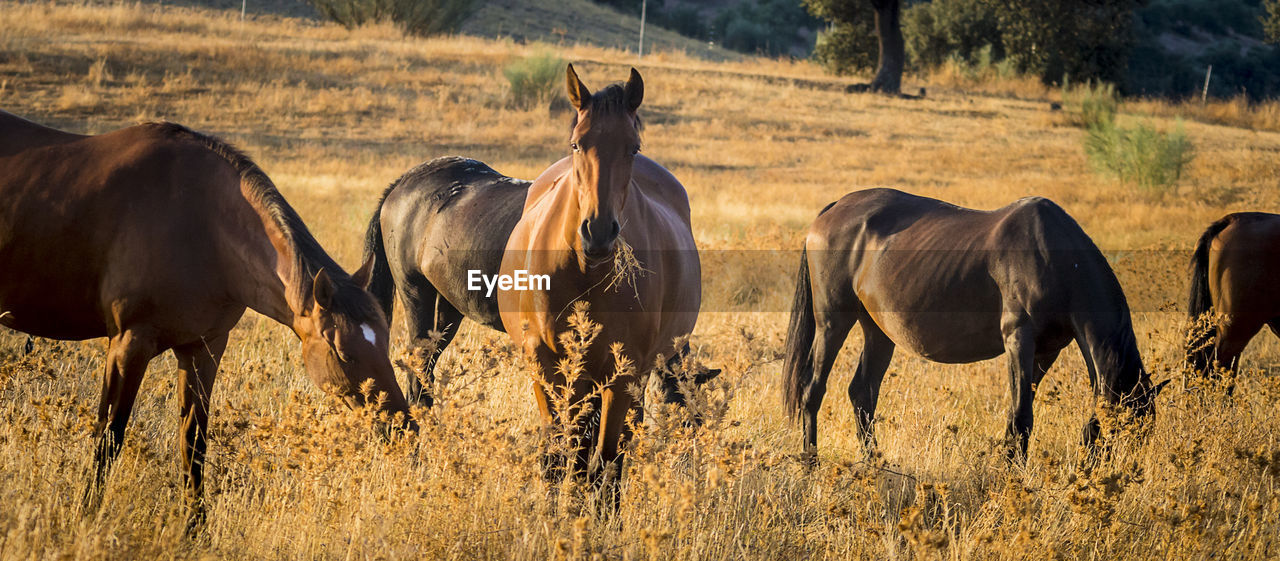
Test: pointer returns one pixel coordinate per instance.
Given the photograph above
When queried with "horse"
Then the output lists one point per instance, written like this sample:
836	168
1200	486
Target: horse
956	285
583	218
1233	275
431	228
158	238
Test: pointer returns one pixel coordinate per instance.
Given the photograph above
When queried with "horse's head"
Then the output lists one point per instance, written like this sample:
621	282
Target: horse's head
345	340
604	141
1141	397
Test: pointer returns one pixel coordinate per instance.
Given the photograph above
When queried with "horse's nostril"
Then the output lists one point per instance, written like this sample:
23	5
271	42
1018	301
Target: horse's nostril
583	231
616	228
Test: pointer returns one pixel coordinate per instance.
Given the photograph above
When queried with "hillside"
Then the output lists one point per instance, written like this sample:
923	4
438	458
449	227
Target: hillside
579	22
555	22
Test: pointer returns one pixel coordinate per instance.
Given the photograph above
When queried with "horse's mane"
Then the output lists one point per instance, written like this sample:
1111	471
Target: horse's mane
309	257
610	100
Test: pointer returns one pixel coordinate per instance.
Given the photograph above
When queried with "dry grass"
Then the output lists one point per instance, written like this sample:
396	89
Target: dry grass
333	116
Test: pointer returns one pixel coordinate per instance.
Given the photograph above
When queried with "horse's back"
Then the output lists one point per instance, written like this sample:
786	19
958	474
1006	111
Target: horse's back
100	220
447	217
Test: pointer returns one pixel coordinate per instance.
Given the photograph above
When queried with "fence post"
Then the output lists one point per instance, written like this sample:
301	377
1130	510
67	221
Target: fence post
1204	94
643	6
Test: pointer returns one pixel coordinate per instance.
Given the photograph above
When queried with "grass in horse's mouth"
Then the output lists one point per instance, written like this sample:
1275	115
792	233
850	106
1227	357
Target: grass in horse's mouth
626	266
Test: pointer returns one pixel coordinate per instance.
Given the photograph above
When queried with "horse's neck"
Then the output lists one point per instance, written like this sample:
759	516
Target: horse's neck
1112	345
277	274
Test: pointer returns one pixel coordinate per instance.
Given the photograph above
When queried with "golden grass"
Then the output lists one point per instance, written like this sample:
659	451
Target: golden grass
333	116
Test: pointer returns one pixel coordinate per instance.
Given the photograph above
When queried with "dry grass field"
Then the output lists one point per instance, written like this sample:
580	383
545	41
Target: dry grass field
333	116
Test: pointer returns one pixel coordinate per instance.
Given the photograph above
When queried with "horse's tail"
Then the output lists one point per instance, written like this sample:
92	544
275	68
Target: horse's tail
1200	344
797	371
381	285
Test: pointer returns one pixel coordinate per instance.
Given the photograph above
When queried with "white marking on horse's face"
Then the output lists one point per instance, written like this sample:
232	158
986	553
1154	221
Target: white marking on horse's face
369	335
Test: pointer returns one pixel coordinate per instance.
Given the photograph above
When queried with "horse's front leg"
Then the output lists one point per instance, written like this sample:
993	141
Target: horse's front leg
1019	344
197	368
619	413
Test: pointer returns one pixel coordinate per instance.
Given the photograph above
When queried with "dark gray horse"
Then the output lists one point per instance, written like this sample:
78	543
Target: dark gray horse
956	285
433	226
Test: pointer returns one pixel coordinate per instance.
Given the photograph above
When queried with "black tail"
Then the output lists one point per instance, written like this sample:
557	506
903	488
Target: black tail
1200	345
798	369
382	285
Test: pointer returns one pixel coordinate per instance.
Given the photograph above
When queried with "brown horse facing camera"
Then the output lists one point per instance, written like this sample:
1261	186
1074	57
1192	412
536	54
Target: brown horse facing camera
601	199
158	237
437	227
956	285
1235	274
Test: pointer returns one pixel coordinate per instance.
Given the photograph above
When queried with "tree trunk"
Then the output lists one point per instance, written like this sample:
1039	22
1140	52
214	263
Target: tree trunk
893	50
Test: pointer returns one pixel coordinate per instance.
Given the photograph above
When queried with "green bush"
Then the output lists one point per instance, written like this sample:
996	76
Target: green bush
1096	102
414	17
534	79
1143	156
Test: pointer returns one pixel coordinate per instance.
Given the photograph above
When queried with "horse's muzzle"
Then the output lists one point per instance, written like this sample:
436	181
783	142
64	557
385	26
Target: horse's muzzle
597	242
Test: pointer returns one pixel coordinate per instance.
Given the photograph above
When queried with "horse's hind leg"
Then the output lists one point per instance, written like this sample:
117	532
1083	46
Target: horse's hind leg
427	311
831	328
197	367
1233	337
864	389
127	356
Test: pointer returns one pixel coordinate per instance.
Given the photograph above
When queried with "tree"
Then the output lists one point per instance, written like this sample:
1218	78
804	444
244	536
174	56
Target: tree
1271	21
845	14
1079	39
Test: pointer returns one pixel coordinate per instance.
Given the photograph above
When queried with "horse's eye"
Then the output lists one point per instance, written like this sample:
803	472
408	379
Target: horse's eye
635	150
575	147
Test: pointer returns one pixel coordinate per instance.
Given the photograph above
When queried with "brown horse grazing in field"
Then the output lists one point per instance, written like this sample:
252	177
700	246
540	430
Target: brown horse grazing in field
158	237
956	285
1235	273
433	226
602	199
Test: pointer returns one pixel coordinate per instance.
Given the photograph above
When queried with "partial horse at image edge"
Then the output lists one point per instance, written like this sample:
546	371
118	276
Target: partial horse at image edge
1235	276
159	237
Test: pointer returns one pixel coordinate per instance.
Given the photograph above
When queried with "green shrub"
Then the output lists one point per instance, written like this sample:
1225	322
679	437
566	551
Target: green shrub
534	79
414	17
1142	156
1096	102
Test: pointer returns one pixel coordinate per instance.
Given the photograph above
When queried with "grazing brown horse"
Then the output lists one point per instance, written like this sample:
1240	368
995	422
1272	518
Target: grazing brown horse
158	237
437	227
956	285
576	217
1235	273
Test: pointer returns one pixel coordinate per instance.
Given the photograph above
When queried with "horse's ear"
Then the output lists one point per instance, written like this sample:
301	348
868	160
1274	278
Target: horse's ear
1156	391
704	377
364	275
579	95
322	289
634	90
